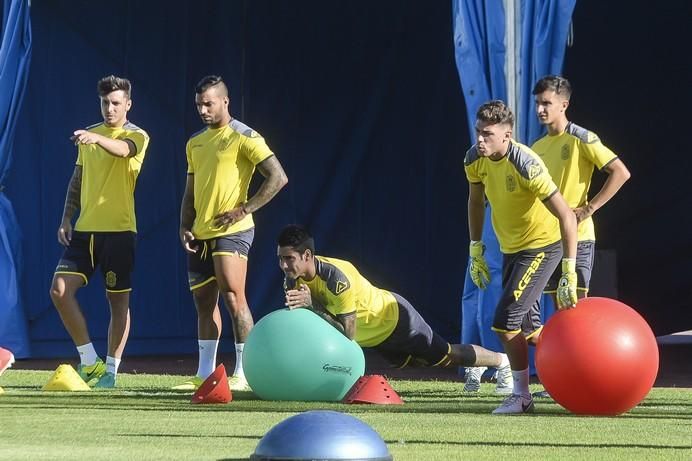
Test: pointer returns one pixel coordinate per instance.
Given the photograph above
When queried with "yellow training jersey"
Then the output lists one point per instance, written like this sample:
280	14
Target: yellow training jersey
107	201
340	289
515	186
570	157
223	161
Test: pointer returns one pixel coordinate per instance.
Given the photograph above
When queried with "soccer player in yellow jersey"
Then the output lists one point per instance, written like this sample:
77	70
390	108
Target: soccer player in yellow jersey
216	226
571	153
110	156
373	317
535	228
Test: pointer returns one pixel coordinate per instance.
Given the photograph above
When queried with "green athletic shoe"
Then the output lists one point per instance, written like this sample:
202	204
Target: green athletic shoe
239	383
90	372
107	381
189	385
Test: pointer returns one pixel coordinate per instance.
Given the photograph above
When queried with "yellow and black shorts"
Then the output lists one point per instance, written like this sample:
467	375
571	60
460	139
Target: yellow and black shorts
413	342
200	265
112	252
524	276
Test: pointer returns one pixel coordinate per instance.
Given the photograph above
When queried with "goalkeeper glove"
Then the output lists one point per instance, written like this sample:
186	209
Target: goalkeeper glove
567	286
479	267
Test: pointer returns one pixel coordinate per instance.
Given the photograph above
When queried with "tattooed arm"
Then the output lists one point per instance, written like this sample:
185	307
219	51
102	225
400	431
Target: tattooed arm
274	180
72	203
187	215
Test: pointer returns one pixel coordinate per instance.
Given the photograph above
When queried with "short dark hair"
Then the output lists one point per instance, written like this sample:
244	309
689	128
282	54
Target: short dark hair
559	85
296	237
208	82
112	83
495	112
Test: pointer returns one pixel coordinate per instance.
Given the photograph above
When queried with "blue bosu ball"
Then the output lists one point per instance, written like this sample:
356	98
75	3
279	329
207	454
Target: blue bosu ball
321	435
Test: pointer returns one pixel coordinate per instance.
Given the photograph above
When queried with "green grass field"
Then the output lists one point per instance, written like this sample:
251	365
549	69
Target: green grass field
143	420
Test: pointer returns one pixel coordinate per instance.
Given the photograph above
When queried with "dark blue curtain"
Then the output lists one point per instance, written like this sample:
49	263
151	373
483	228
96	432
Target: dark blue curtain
365	115
15	55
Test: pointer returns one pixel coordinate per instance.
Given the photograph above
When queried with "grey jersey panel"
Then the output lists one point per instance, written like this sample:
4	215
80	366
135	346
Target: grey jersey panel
336	281
471	155
199	132
581	134
132	127
243	129
527	166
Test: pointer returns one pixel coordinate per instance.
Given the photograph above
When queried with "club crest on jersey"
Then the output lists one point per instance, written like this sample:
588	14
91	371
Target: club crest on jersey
224	143
510	183
340	287
534	170
111	279
564	152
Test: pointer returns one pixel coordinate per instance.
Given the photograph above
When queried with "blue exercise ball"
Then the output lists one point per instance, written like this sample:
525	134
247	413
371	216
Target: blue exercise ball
321	435
297	355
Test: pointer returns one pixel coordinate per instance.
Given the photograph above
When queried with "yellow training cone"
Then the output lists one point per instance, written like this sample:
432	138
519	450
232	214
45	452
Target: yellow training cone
65	378
2	391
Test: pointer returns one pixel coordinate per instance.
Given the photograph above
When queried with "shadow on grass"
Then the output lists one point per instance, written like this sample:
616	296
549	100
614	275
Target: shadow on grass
167	400
471	443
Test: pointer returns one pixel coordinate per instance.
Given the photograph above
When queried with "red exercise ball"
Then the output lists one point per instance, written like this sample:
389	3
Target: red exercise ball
600	358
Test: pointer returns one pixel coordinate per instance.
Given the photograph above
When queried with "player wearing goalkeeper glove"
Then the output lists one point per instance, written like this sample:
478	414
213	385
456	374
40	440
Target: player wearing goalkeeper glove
535	227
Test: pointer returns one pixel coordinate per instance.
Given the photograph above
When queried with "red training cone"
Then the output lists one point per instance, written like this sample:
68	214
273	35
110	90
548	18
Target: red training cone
372	389
214	389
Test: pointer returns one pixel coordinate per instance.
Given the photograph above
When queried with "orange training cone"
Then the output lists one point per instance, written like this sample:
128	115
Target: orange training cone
214	389
372	389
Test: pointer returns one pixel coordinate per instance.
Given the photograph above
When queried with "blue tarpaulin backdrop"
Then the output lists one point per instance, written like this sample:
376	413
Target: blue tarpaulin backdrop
15	54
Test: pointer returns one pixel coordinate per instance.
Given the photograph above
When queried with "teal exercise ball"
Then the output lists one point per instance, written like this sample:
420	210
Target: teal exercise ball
297	355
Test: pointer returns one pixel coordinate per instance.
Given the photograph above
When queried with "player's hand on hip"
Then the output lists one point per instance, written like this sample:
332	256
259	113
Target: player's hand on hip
583	212
299	298
230	217
567	286
188	241
480	274
65	233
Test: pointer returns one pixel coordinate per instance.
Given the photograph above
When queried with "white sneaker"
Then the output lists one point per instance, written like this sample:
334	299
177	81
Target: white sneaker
505	382
473	378
515	405
239	383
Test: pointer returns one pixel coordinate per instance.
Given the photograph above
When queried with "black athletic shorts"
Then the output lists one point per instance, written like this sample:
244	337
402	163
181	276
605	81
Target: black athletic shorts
201	264
585	256
112	252
413	342
524	276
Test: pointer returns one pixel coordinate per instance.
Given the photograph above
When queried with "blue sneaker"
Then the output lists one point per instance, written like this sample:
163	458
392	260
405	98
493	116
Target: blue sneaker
107	381
90	372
